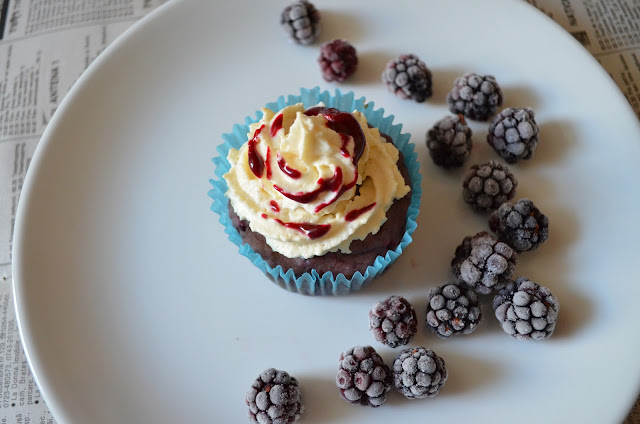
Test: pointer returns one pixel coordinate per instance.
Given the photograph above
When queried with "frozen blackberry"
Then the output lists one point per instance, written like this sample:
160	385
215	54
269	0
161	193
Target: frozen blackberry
363	377
301	20
475	96
520	225
513	134
449	141
484	263
488	185
409	78
452	309
526	310
338	60
419	373
393	321
274	398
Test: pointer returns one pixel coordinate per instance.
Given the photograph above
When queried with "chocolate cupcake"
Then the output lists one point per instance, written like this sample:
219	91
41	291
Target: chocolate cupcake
319	197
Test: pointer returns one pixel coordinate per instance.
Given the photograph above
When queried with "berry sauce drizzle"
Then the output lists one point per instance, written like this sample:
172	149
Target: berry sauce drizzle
293	173
332	184
256	163
345	140
277	125
313	231
342	123
268	163
348	128
354	214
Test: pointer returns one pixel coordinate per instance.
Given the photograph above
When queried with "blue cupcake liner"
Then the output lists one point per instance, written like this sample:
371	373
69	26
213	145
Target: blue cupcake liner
312	283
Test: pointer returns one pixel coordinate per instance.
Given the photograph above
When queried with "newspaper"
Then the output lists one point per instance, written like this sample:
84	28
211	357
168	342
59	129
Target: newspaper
610	31
45	45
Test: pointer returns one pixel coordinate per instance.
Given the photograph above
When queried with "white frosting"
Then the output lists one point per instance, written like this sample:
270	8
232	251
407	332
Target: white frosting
309	146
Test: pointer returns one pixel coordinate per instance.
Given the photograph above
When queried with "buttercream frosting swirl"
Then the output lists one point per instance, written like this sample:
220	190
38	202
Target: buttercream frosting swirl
313	181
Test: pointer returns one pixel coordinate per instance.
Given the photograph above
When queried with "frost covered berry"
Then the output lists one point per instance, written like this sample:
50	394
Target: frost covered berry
408	78
486	186
520	225
393	321
483	263
526	310
513	134
338	60
363	377
274	397
419	373
301	20
475	96
449	141
452	309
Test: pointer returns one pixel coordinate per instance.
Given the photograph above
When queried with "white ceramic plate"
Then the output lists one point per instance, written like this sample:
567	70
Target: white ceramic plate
135	308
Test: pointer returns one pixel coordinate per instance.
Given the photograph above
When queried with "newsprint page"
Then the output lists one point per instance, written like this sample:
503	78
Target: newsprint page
45	45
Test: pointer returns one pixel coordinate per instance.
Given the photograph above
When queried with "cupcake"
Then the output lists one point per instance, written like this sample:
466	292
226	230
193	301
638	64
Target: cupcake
316	193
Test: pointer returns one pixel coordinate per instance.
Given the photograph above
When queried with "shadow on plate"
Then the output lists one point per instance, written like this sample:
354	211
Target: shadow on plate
468	373
557	138
519	96
371	64
322	400
342	25
564	231
443	79
576	310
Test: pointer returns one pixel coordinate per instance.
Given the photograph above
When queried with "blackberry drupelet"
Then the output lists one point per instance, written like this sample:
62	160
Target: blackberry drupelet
449	141
393	321
363	377
338	60
475	96
486	186
419	373
520	225
526	310
274	397
513	134
409	78
452	309
301	20
483	263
